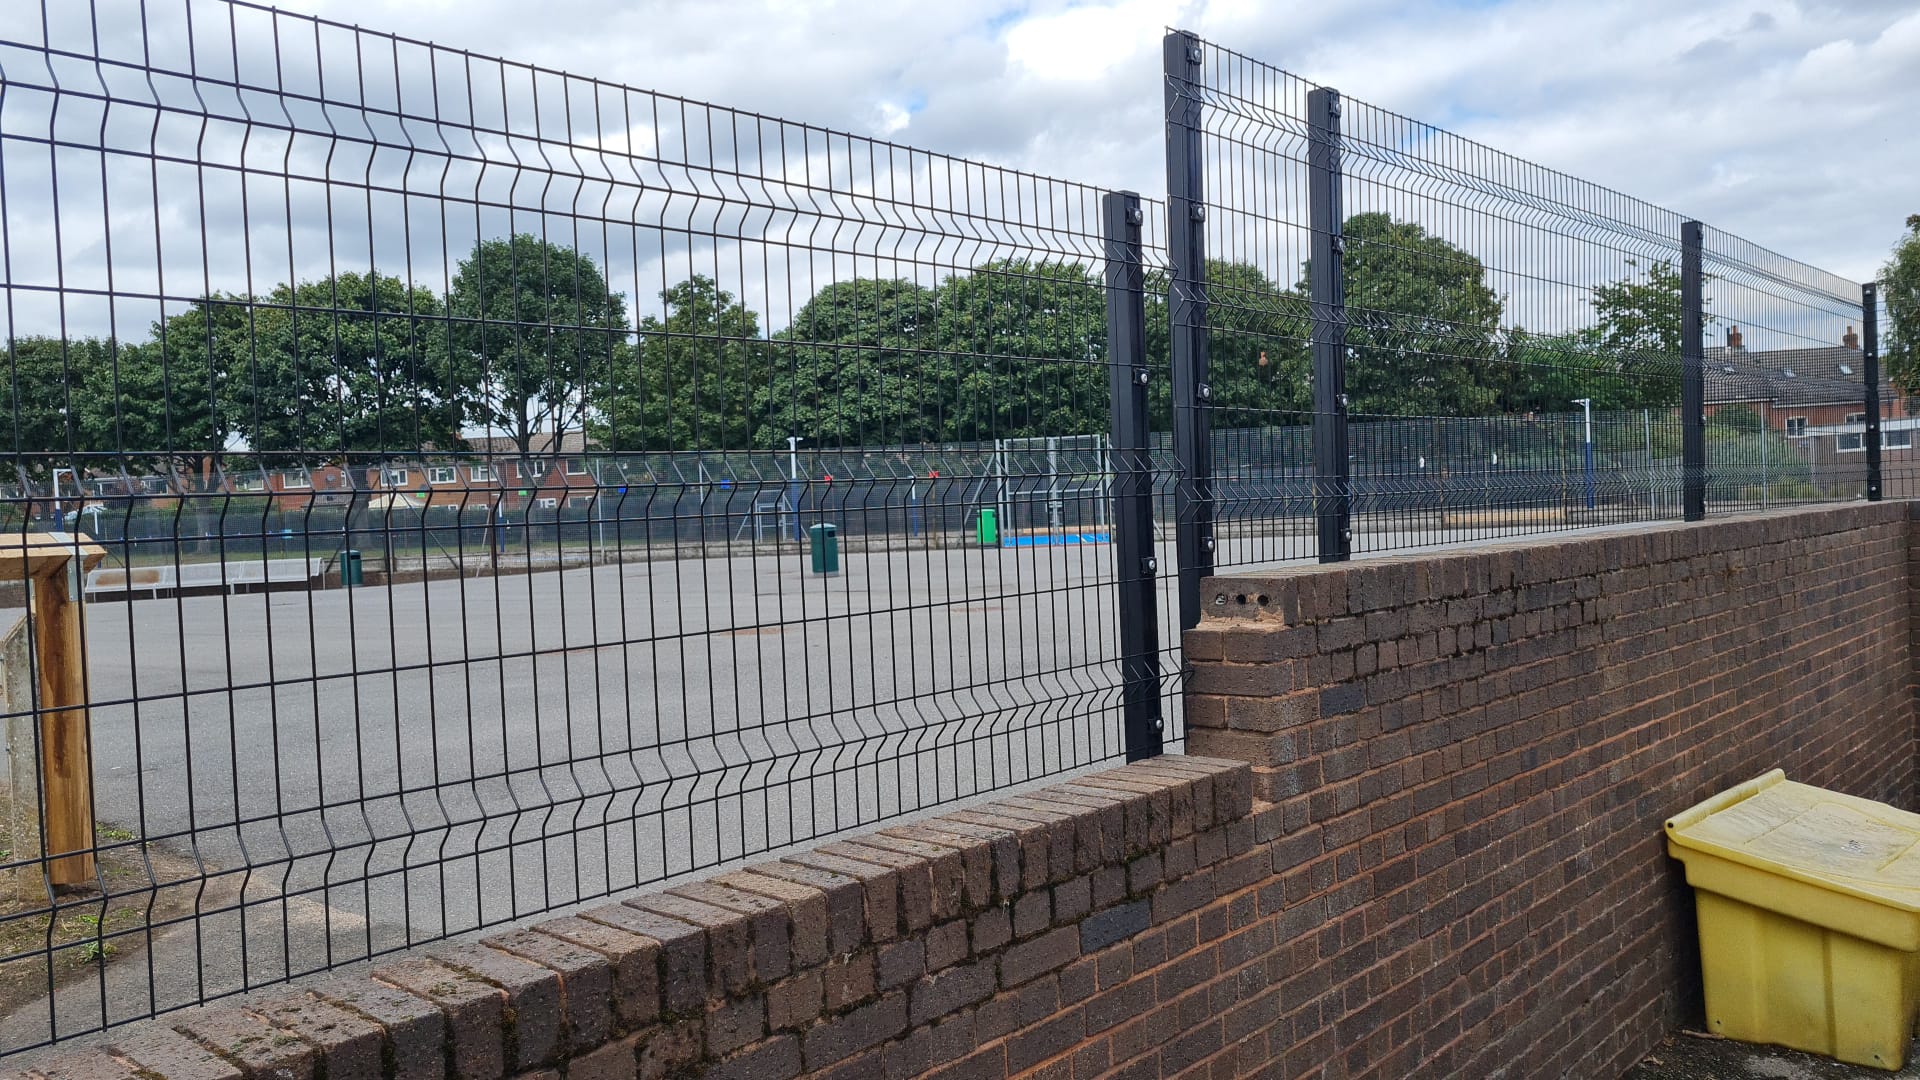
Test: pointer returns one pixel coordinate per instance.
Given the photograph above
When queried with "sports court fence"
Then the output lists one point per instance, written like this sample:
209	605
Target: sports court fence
513	488
1432	313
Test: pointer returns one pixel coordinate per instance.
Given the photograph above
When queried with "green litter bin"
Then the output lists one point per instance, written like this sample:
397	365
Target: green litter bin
824	540
989	527
350	568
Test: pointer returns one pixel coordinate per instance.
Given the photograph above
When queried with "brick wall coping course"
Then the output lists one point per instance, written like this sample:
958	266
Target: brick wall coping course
914	949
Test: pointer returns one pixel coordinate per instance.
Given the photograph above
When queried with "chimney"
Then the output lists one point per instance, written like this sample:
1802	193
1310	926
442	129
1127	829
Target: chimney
1851	340
1733	339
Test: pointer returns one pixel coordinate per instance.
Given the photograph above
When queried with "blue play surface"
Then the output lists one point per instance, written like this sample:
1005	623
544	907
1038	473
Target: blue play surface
1053	539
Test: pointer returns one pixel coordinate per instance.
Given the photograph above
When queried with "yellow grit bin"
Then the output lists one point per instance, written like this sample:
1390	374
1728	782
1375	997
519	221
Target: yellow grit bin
1809	911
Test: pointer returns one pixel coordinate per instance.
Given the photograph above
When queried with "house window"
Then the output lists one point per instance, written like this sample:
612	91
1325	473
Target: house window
482	474
576	466
443	474
1850	441
295	481
1796	427
535	467
394	478
1900	439
1856	418
248	483
154	485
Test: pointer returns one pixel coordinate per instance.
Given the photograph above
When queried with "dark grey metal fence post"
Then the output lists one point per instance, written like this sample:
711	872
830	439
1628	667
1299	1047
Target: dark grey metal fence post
1187	322
1870	352
1136	565
1693	388
1332	486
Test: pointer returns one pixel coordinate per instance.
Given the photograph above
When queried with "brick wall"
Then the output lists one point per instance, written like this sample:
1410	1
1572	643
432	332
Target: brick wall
1102	923
1471	756
1425	842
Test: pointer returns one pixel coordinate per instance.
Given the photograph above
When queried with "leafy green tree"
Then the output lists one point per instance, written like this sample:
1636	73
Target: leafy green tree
1014	348
171	397
1900	291
357	362
1627	358
1259	358
533	324
1639	316
1637	323
858	367
1026	341
694	380
1421	322
1547	373
43	395
1740	419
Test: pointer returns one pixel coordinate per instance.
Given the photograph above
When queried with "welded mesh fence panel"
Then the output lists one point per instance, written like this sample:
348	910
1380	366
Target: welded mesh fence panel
1897	333
1512	336
1527	321
1484	297
1258	317
514	488
1785	376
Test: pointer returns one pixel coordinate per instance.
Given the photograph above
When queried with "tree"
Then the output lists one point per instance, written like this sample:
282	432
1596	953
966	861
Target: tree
1637	323
356	362
1900	291
693	381
1026	342
1421	322
532	324
1013	348
1547	373
1740	419
1259	358
43	396
170	396
858	367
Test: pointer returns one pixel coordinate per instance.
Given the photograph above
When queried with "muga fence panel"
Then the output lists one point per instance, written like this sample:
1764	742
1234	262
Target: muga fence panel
464	438
1402	337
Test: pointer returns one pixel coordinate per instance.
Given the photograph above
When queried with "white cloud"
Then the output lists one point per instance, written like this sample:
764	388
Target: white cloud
1087	44
1786	121
893	119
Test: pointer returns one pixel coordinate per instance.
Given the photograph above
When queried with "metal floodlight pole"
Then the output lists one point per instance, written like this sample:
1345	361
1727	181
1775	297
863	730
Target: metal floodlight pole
1332	486
1693	389
1136	567
1187	319
1586	406
1870	352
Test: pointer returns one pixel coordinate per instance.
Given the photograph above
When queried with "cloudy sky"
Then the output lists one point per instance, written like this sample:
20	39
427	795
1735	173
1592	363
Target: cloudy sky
1790	123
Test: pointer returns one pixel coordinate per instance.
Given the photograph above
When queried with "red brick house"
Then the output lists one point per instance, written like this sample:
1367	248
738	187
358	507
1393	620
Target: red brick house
553	475
1793	390
490	471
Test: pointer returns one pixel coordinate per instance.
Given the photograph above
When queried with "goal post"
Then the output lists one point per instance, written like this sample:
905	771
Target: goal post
1053	486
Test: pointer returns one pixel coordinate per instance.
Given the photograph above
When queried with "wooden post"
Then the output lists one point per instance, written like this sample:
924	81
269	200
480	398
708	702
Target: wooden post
66	765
